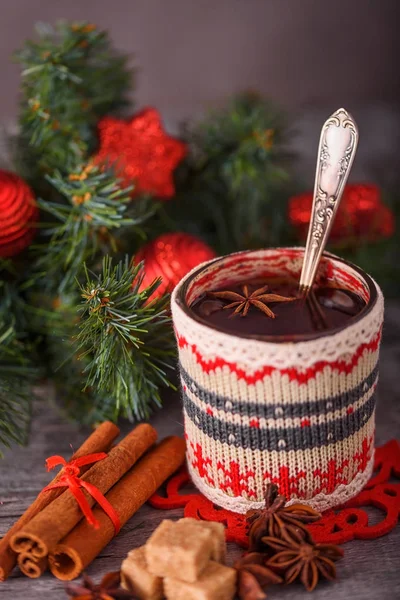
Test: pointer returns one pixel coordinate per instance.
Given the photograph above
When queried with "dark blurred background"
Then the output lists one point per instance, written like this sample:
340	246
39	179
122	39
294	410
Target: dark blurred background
310	56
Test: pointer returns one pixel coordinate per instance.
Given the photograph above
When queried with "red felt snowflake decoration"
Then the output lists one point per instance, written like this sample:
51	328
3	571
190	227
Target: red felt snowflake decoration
337	526
141	152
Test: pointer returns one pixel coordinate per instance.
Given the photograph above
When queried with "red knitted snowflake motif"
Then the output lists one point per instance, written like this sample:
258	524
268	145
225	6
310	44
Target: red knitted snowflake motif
364	456
286	483
235	480
201	463
331	478
334	474
337	526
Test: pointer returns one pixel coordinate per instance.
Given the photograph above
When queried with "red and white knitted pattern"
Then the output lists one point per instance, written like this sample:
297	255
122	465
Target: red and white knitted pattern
300	414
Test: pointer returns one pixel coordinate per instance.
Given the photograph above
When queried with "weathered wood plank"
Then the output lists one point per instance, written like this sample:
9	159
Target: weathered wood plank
369	570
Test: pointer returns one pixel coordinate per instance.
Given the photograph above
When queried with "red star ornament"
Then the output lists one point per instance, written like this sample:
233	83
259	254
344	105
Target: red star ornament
361	215
142	153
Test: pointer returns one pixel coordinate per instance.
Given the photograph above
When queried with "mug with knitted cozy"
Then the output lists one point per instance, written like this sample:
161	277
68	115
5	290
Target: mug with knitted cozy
297	413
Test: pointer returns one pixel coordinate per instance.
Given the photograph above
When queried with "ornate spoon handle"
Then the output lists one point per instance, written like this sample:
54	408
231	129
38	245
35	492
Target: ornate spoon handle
337	148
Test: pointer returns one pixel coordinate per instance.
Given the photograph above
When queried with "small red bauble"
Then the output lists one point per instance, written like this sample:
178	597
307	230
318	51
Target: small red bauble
171	256
18	214
361	215
141	152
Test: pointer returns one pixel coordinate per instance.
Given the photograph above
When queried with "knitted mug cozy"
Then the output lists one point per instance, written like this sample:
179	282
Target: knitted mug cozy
300	414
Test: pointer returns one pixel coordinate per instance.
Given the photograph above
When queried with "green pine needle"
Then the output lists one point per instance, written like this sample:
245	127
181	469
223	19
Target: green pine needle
64	94
16	376
15	411
127	338
94	207
231	190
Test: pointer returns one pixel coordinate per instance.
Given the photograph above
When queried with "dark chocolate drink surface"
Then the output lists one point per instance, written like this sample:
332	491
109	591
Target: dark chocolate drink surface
274	308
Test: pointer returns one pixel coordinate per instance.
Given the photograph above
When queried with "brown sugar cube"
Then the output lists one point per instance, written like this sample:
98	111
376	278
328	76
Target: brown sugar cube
219	544
136	578
216	582
179	550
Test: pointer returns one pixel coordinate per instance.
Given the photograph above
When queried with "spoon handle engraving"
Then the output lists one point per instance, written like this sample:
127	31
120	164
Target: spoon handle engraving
336	151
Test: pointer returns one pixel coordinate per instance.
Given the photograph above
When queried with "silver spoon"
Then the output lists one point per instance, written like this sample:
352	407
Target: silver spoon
336	151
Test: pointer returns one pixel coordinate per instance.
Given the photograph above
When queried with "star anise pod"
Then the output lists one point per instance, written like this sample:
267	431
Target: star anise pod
242	302
305	560
278	520
108	589
253	576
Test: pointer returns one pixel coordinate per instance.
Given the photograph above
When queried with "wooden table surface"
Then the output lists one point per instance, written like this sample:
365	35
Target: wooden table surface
369	570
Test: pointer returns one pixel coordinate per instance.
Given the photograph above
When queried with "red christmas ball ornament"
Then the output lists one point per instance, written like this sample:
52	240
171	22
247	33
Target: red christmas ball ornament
361	215
171	256
141	152
18	214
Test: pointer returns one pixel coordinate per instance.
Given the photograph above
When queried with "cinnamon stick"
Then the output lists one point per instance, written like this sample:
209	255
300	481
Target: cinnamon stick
53	523
84	543
98	441
30	567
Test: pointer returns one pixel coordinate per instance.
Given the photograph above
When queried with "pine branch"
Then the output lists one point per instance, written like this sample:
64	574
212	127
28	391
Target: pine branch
127	338
16	371
64	94
94	208
15	412
56	320
232	188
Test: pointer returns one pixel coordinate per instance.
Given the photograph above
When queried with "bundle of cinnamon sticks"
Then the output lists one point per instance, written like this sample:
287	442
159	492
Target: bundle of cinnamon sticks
53	532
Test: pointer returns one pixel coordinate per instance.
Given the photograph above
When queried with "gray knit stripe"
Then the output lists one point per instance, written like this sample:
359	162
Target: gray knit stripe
291	438
293	410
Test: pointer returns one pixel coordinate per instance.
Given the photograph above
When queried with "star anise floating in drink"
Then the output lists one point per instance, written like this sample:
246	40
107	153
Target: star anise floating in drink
305	561
242	302
108	589
281	549
278	520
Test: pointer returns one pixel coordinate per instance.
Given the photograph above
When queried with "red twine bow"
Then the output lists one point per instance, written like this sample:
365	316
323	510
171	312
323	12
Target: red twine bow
70	479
